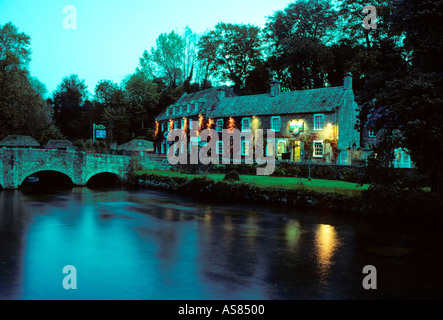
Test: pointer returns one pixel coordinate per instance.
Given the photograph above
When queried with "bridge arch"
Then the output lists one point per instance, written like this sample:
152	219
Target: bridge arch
116	173
57	173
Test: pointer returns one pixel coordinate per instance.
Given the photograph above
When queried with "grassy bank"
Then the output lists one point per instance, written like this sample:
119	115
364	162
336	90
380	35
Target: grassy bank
319	185
334	196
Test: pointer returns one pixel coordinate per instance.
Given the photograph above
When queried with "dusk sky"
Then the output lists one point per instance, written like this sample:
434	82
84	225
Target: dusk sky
111	35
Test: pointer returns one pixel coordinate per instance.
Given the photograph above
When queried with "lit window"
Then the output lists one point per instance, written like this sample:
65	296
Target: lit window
372	134
246	124
318	148
318	121
219	147
219	125
281	147
275	123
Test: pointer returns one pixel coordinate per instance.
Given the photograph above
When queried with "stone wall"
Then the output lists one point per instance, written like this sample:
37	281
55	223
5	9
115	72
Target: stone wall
16	164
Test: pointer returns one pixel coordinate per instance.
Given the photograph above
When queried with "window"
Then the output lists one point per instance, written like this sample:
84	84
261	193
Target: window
246	125
189	108
173	110
281	147
163	126
275	123
318	148
219	125
318	121
176	124
183	124
196	106
190	124
219	147
402	158
372	134
244	147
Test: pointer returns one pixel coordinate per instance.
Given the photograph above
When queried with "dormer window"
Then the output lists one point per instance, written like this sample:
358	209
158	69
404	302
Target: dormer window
196	106
219	125
246	124
275	124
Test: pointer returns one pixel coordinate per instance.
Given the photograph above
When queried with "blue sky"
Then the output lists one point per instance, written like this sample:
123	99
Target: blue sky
111	35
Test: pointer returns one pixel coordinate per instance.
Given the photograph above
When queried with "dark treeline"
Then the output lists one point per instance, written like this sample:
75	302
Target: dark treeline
397	70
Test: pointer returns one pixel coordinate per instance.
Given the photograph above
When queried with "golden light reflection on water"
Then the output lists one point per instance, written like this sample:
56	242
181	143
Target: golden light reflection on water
292	233
326	242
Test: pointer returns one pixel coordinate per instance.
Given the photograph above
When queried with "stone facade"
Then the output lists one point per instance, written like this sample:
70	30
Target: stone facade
328	118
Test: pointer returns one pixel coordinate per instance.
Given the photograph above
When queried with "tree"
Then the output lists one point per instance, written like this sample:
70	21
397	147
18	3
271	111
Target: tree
166	59
70	113
230	52
407	108
23	109
143	98
300	38
113	103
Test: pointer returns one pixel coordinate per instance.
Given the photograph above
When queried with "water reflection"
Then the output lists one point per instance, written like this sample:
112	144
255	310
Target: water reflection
292	233
132	244
326	242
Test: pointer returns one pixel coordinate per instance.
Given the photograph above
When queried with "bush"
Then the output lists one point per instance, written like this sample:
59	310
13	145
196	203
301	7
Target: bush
232	176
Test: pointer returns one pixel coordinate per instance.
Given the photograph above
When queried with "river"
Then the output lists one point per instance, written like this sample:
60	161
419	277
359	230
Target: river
139	244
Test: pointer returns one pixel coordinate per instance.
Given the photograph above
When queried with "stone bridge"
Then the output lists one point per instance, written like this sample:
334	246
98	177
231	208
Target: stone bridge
16	164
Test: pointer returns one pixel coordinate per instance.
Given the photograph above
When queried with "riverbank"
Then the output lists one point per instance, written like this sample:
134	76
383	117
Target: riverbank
331	196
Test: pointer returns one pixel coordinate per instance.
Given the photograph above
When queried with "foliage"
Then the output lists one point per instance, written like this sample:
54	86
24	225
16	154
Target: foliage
230	51
232	176
92	146
300	36
23	109
51	133
71	109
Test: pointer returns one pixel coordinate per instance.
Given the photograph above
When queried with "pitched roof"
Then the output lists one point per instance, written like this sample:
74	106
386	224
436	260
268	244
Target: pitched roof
137	145
58	144
303	101
19	141
206	99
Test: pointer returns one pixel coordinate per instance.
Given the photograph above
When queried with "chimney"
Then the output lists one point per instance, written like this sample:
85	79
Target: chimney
347	81
221	94
275	88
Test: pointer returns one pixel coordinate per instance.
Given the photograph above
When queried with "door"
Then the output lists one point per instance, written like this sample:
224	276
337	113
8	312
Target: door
296	152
